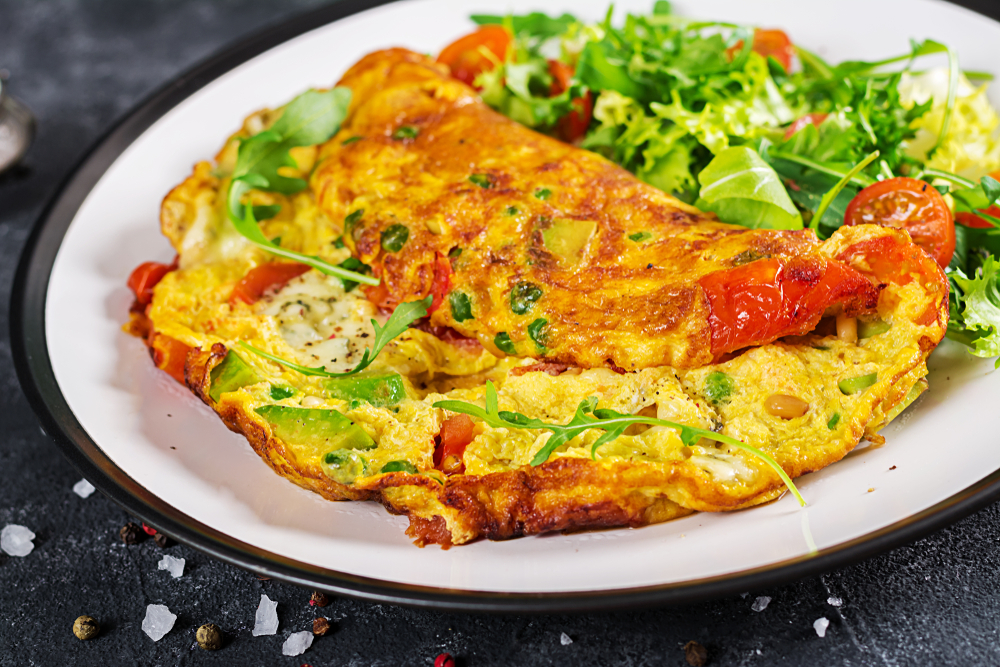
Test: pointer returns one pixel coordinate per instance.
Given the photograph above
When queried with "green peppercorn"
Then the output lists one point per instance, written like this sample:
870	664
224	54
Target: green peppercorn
537	332
524	296
209	637
86	628
504	343
394	238
461	306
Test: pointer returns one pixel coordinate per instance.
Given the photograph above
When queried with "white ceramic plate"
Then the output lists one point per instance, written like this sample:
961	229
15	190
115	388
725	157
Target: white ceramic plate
148	443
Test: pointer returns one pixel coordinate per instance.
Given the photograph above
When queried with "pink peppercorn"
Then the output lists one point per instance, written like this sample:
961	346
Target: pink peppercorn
444	660
149	531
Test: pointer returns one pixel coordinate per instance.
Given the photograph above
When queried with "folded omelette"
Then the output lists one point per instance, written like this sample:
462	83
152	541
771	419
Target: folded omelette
556	277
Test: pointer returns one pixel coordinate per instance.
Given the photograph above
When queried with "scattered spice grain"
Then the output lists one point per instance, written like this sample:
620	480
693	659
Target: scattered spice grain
321	626
318	599
209	637
162	541
695	654
86	628
130	533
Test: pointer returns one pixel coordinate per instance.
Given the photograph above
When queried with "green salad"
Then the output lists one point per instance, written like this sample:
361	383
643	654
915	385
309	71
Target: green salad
740	121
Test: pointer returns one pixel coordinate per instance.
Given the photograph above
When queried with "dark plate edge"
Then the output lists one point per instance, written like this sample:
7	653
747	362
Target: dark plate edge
35	373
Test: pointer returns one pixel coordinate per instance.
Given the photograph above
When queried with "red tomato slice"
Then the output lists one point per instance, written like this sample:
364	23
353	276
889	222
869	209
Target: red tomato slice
574	124
910	205
467	61
261	278
456	434
809	119
144	278
774	43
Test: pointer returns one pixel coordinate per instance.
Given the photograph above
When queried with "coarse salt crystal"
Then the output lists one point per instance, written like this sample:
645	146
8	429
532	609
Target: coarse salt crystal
15	540
565	640
83	488
760	604
297	643
834	601
175	566
158	622
821	625
265	622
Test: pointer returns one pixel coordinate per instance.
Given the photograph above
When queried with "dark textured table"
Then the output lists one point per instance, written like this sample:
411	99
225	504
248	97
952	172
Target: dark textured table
80	66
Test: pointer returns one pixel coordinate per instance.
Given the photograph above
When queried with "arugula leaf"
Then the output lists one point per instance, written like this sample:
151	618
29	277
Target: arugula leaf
400	320
742	189
828	198
250	230
311	118
535	24
588	416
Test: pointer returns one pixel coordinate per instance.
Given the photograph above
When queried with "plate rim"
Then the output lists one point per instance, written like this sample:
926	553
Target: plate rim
34	370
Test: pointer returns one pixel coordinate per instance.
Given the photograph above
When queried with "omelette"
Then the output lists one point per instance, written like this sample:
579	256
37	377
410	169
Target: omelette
552	280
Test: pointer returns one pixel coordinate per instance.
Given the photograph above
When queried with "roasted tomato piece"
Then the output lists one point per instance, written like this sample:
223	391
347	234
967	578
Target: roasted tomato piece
809	119
573	125
168	354
144	278
759	302
465	57
261	278
911	205
456	434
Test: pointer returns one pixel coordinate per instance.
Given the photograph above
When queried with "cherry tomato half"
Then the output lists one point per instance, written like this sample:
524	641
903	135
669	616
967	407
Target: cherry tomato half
467	61
260	278
973	220
910	205
144	278
774	43
809	119
573	125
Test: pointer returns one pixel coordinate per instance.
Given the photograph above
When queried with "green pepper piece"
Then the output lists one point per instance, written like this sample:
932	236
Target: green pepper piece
482	180
639	237
543	193
344	465
394	238
718	387
399	466
380	390
231	374
317	428
504	343
834	420
461	306
537	332
873	328
523	297
406	132
856	384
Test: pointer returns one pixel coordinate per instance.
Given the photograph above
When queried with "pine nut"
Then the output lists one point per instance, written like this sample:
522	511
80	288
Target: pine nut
786	407
847	328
